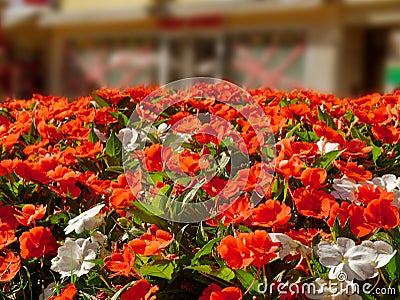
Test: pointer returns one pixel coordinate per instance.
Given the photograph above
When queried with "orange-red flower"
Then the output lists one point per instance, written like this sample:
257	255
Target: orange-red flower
389	134
214	292
9	266
352	170
355	148
290	148
67	293
368	192
121	264
323	130
31	172
7	216
189	162
382	214
355	214
153	159
122	193
254	248
7	235
30	213
289	167
314	177
235	253
37	242
152	242
270	214
236	212
261	245
141	290
313	203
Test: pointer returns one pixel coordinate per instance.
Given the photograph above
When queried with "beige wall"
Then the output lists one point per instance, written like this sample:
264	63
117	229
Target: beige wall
81	5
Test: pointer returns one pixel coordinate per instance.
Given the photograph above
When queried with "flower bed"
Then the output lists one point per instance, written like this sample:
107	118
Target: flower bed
326	221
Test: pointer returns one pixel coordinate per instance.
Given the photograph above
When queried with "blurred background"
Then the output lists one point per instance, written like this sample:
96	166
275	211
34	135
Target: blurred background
70	47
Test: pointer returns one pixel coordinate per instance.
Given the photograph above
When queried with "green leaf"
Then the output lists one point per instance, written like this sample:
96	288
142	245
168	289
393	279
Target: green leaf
326	160
324	116
357	134
100	100
156	99
393	267
61	218
339	231
221	273
115	169
246	279
201	236
290	133
207	248
146	216
160	268
124	102
376	152
114	146
93	137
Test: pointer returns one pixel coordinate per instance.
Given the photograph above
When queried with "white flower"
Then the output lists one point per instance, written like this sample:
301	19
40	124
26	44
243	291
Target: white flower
289	246
344	189
392	184
98	237
74	257
158	132
345	257
100	135
88	220
384	252
48	291
326	147
128	138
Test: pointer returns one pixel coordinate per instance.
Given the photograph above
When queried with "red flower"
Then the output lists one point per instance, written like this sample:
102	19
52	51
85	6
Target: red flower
7	235
322	130
235	254
261	245
30	213
313	203
189	162
382	214
122	264
388	135
37	242
352	170
290	148
9	266
289	168
141	290
153	160
152	242
368	192
214	292
236	212
66	294
7	216
355	148
31	172
314	177
214	186
271	214
254	248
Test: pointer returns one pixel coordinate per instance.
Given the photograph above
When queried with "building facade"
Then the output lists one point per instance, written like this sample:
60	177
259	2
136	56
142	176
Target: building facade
70	47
